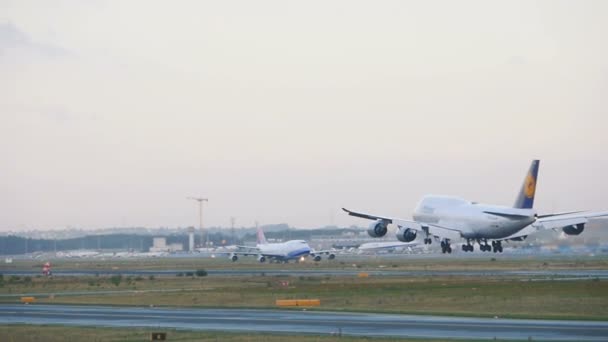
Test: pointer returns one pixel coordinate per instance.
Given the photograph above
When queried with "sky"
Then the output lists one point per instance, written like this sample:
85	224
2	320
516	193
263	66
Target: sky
112	113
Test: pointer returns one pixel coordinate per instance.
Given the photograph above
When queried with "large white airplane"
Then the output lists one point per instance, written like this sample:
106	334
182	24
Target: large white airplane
80	253
280	252
387	245
448	219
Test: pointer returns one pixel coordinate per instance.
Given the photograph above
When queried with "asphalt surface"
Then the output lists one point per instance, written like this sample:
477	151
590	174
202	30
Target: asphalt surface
546	274
306	322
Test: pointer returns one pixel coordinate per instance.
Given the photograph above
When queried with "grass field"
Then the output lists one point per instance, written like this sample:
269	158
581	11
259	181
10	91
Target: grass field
489	297
27	333
490	262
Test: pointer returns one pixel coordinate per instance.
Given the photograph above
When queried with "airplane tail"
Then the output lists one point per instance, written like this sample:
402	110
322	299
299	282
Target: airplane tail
261	237
525	199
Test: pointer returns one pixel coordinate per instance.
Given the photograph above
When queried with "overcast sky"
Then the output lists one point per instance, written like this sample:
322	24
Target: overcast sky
112	113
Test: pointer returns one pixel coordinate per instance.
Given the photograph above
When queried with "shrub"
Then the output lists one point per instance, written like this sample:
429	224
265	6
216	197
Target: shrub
116	279
151	277
180	274
139	278
201	273
189	274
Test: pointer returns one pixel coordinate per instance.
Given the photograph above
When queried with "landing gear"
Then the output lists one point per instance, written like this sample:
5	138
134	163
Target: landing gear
497	246
485	247
427	234
445	246
468	247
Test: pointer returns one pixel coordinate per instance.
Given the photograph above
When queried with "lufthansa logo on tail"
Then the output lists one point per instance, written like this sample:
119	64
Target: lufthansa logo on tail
530	186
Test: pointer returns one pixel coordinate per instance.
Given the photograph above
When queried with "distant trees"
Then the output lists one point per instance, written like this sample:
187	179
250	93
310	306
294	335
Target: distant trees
116	279
19	245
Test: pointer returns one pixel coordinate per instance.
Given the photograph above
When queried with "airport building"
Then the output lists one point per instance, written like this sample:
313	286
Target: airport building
159	244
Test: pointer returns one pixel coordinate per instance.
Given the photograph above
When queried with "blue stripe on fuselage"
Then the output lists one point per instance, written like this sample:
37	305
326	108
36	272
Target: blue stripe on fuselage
299	252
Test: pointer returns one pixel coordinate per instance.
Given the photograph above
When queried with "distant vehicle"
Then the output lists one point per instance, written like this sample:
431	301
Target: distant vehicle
280	252
447	219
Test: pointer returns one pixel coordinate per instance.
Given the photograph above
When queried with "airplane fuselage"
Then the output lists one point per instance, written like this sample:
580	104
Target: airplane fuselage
292	249
473	220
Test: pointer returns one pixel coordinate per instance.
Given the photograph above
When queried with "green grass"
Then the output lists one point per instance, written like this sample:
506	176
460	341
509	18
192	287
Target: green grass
487	297
29	333
500	262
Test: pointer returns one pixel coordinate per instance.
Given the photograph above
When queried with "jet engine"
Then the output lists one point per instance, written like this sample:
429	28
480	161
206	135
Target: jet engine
574	229
317	258
234	257
261	258
406	235
377	228
331	256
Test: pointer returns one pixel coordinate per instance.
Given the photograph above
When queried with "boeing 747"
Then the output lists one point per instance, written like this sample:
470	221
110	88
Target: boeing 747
280	252
447	219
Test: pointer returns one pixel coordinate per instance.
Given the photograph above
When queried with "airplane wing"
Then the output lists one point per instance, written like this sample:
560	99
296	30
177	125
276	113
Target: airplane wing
248	248
387	245
254	253
562	220
326	252
433	229
556	221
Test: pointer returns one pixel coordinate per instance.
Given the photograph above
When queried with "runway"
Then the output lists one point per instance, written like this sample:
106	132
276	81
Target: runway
306	322
542	274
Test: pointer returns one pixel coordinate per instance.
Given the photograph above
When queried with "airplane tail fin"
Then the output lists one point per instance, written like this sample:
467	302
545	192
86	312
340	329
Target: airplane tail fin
261	237
525	199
